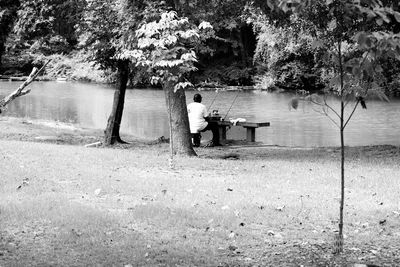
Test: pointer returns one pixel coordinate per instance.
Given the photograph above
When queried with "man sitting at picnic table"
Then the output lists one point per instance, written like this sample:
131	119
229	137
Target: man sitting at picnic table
199	121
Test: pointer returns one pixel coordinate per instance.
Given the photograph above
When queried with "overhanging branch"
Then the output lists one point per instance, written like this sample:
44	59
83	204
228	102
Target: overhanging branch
20	91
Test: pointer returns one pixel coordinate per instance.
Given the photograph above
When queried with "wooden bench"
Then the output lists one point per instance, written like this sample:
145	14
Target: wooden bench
250	129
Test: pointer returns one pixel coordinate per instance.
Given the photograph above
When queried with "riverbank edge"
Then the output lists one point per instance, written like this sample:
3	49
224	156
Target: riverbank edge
25	130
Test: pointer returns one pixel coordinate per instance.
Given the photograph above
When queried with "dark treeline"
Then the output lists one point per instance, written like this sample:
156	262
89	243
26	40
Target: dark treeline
254	44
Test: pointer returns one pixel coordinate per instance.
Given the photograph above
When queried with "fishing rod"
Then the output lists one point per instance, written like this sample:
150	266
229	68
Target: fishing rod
237	94
215	97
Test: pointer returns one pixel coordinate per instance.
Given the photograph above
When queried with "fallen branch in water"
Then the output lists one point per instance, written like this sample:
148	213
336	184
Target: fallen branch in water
20	91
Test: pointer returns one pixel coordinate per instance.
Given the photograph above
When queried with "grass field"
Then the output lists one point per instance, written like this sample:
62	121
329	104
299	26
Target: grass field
67	205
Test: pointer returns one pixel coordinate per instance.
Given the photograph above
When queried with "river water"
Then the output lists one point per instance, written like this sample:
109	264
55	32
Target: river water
88	106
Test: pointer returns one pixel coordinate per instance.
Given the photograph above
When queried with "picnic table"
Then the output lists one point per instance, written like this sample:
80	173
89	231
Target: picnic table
250	128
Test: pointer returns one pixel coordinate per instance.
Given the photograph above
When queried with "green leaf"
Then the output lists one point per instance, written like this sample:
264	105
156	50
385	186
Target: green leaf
368	43
379	69
383	16
270	4
332	25
397	16
361	37
154	80
335	82
205	25
356	71
370	15
182	85
357	90
317	44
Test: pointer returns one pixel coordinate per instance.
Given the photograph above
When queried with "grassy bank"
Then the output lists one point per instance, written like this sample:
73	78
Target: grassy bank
67	205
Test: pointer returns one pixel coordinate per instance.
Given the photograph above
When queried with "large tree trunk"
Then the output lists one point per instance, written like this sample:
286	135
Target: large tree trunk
243	52
1	51
179	121
111	133
10	8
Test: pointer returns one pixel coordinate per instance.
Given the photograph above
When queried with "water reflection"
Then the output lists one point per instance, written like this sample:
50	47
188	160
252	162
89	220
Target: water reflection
88	105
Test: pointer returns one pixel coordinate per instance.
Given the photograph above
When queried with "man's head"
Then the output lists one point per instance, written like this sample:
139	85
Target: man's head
197	98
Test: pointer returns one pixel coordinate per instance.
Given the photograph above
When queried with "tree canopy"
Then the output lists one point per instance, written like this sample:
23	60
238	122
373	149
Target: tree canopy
48	26
263	43
166	47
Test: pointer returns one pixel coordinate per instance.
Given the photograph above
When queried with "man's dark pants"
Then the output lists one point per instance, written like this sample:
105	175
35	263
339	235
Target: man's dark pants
213	127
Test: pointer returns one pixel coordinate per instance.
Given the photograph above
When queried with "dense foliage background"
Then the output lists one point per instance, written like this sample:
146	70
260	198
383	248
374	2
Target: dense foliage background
254	44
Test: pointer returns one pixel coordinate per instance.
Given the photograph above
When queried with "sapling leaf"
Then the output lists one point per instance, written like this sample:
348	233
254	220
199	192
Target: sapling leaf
380	94
294	103
363	105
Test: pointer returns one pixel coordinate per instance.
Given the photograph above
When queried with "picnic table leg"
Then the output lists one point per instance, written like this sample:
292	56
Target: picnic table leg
222	134
251	134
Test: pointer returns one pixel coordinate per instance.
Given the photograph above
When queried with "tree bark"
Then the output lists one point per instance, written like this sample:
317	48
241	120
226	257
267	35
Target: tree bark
111	133
10	8
179	121
243	51
1	52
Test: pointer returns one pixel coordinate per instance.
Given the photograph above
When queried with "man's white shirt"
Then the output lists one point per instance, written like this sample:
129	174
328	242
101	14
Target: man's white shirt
197	112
